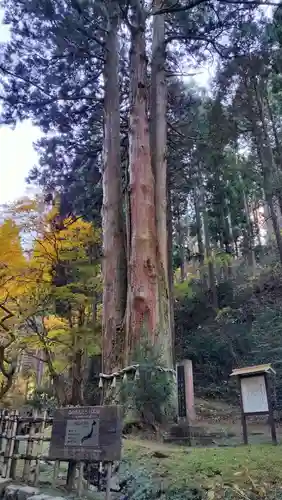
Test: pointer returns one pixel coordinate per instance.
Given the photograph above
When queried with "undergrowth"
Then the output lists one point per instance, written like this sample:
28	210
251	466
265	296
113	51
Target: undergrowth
246	329
178	473
149	396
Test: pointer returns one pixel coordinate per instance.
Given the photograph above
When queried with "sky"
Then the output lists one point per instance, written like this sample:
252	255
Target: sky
17	155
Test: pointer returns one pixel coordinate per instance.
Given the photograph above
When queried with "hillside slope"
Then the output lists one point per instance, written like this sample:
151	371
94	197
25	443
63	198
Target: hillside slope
246	330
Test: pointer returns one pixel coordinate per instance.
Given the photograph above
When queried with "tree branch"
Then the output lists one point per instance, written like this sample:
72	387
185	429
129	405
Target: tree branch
182	8
8	373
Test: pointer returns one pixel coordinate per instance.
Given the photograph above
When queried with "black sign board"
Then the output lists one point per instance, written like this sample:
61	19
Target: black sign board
181	391
90	433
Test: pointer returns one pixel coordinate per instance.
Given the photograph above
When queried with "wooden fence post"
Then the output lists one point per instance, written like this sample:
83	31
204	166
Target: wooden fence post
108	485
11	440
14	458
80	479
29	447
40	447
3	438
71	475
55	473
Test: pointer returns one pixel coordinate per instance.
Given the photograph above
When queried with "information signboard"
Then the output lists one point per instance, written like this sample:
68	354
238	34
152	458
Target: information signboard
254	394
90	433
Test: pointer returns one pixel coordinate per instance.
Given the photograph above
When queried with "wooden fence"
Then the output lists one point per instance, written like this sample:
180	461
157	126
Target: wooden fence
24	444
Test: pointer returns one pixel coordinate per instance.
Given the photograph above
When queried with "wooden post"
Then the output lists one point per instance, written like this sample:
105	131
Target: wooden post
185	388
39	447
243	416
2	434
55	473
71	475
15	451
245	428
271	413
108	485
2	427
29	448
80	478
11	441
6	434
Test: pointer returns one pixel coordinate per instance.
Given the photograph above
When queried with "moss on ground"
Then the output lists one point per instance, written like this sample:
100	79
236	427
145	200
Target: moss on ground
152	470
255	469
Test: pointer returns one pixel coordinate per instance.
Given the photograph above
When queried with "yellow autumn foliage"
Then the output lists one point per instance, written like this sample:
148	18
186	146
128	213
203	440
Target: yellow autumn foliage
33	243
53	322
13	265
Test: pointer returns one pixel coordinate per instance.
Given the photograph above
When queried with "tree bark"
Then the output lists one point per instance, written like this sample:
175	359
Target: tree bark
212	278
114	255
277	145
8	372
268	164
201	248
170	270
158	108
256	224
180	244
250	236
143	274
77	379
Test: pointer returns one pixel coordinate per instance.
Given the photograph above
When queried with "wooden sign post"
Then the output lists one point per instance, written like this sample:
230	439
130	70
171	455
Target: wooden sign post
87	434
185	390
255	396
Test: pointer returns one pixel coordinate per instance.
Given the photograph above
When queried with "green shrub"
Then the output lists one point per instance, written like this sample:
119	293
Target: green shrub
150	394
43	399
246	330
139	484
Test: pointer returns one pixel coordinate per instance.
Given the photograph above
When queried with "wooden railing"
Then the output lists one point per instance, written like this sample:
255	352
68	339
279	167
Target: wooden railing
24	443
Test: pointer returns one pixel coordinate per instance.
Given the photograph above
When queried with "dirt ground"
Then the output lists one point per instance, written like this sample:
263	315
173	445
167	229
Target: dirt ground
223	422
217	424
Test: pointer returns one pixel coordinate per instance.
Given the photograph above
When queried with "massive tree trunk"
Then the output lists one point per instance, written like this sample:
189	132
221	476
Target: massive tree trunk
114	262
228	233
199	230
77	379
209	257
143	274
249	232
278	155
180	244
256	224
158	107
268	163
170	268
261	139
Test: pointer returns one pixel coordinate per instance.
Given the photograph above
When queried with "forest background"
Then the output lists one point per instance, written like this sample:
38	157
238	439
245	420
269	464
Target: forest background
159	205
